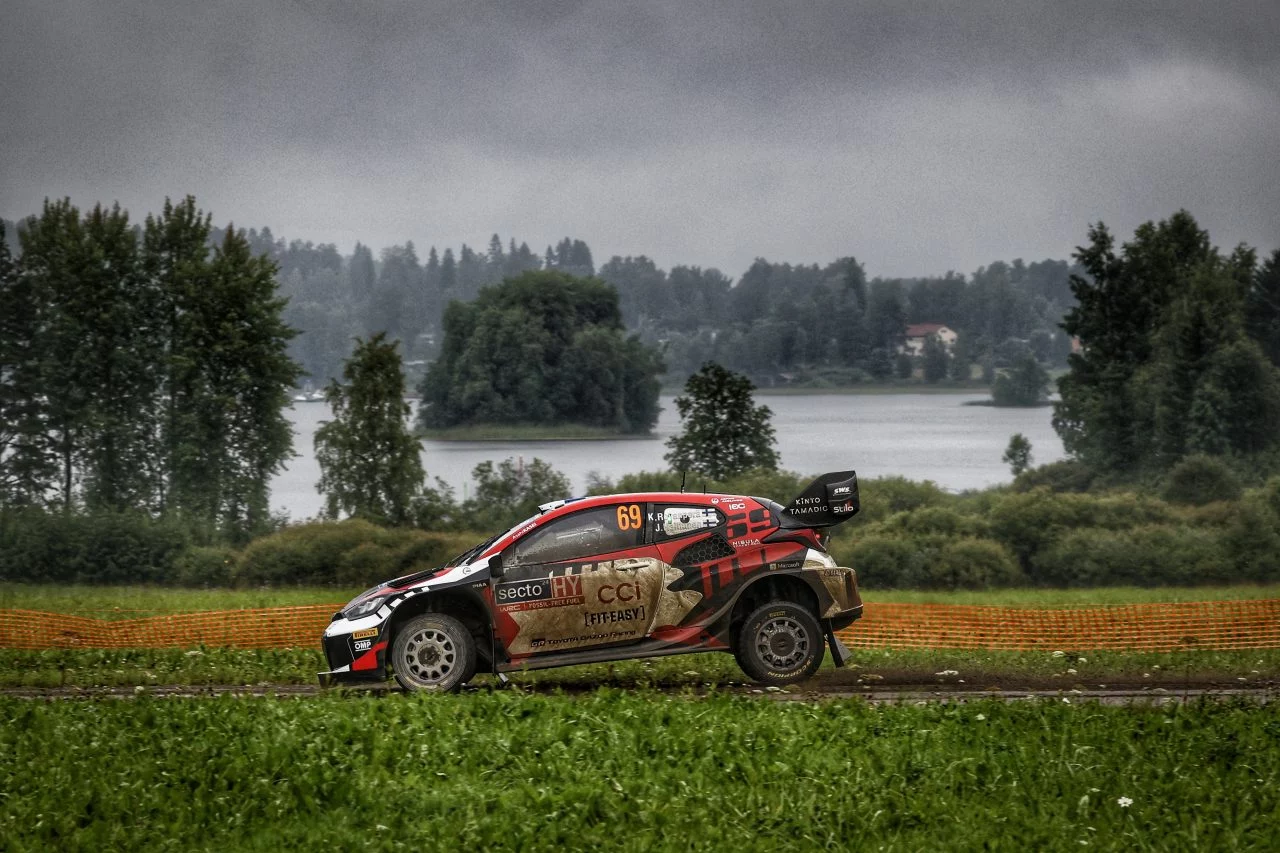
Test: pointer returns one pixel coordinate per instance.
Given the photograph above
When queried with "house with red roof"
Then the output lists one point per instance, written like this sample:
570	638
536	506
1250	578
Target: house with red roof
917	333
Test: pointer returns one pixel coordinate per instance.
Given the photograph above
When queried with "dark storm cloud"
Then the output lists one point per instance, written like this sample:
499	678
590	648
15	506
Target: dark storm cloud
918	137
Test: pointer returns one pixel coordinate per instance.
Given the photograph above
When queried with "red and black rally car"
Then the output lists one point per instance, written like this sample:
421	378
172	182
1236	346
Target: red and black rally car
611	578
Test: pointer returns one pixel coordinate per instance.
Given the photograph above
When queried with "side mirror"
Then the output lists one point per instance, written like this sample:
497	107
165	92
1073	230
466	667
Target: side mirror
495	565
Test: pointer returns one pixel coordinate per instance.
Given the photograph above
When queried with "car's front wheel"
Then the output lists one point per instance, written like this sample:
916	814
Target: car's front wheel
779	643
433	652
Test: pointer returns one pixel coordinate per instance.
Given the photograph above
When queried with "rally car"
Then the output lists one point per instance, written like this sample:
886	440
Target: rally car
612	578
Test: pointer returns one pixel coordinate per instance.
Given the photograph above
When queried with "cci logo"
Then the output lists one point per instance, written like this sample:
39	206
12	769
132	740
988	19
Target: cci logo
624	592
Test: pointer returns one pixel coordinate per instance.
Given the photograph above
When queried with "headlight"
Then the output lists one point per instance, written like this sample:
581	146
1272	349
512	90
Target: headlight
364	608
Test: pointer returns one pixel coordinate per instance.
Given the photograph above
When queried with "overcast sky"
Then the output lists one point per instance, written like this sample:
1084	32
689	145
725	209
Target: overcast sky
918	137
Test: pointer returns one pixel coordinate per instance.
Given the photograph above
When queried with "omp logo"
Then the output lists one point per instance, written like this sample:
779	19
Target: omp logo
627	591
539	593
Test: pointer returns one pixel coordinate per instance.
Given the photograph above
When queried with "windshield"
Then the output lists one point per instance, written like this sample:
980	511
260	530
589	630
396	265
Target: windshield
471	553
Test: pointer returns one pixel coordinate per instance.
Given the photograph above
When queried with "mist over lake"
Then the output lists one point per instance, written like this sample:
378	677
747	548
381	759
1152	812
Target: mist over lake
919	436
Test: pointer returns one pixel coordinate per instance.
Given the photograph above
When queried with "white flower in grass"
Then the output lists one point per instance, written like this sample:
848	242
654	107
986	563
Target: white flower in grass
980	717
1125	802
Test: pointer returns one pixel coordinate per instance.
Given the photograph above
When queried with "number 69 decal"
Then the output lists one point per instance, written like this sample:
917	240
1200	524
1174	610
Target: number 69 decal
630	517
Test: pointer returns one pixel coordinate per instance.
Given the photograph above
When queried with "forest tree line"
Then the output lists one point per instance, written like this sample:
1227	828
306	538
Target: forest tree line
142	368
778	323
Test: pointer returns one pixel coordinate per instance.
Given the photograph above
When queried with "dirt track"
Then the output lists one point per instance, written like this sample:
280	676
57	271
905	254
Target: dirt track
829	684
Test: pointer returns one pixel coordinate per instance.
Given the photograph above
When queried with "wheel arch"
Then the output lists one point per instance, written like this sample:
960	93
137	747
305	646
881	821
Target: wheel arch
463	605
774	587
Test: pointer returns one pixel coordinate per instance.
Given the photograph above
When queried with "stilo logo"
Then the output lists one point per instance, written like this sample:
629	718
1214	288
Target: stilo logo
537	594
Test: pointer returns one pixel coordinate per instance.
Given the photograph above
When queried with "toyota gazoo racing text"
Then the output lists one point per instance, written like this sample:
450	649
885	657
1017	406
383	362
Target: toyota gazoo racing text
611	578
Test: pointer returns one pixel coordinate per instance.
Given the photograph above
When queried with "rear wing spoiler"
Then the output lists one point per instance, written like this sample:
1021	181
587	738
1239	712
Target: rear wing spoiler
827	501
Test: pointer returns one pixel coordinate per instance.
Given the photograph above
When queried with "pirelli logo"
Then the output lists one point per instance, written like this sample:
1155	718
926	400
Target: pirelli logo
367	632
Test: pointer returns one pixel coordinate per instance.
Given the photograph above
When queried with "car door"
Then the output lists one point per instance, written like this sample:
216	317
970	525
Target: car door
586	579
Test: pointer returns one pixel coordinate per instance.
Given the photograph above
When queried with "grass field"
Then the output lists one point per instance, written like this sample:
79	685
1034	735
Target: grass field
633	771
128	602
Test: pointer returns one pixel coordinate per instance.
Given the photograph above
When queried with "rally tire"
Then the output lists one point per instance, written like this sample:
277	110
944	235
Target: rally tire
433	652
779	643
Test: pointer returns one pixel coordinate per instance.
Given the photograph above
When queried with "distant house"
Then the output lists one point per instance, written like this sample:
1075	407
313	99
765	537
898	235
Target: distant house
917	333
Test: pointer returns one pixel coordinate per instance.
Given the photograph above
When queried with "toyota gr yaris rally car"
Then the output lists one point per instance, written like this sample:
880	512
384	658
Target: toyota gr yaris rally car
612	578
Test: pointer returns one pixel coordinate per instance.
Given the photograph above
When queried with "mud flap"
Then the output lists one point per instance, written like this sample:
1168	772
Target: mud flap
839	654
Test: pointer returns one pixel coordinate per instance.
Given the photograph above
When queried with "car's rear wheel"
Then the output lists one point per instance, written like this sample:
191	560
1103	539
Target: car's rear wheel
433	652
779	643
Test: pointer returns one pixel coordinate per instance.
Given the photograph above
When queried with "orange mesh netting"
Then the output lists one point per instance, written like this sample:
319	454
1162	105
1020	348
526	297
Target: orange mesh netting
264	628
1132	627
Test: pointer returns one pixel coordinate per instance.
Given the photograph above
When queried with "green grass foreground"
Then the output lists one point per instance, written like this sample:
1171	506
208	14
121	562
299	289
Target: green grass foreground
619	771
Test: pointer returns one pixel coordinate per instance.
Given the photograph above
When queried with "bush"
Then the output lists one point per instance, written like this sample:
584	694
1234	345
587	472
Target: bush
1067	475
126	547
1029	522
1200	479
974	564
887	562
345	553
204	566
937	520
884	496
1155	555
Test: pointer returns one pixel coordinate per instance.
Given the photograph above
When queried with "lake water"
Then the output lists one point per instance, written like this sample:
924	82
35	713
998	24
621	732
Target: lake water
918	436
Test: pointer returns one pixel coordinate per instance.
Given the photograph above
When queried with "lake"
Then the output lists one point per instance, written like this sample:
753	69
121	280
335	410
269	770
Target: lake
918	436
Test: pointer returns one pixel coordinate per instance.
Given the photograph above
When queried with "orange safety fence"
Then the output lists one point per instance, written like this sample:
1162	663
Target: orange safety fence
261	628
1131	627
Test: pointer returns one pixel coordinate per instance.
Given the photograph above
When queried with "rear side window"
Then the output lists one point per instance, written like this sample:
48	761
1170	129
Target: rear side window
671	521
583	534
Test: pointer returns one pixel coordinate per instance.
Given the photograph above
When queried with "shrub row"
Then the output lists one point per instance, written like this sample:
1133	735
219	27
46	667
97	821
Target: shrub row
1067	539
111	548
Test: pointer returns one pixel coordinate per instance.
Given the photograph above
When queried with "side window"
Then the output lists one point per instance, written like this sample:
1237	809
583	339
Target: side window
583	534
673	521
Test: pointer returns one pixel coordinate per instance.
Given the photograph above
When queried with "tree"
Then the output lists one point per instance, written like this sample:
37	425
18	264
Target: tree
542	348
511	492
370	465
936	360
1025	384
1018	454
1169	364
724	432
1262	308
26	465
226	371
247	376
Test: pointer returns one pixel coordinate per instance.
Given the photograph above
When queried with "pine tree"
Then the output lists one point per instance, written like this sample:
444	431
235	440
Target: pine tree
1262	308
369	461
724	433
27	468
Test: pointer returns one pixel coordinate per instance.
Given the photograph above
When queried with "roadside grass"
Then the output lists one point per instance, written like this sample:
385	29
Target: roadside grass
130	602
625	771
870	668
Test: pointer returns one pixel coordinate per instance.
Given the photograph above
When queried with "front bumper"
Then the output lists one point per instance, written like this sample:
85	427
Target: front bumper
356	651
845	619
